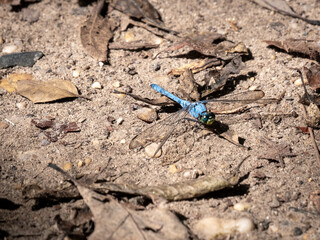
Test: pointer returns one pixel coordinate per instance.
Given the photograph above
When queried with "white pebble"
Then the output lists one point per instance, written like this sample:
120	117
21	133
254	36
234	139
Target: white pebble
21	105
147	114
252	88
122	141
116	84
101	64
208	228
75	73
298	82
241	206
158	41
151	149
96	85
119	120
9	49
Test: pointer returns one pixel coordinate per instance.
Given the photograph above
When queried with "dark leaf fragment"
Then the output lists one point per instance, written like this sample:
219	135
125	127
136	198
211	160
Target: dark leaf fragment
217	80
24	59
313	76
79	226
305	47
57	130
96	33
282	7
49	197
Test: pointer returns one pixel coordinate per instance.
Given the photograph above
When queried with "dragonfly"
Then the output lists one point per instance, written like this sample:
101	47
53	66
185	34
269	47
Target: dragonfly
163	129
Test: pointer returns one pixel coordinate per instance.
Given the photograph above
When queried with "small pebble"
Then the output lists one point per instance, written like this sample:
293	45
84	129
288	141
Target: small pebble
147	114
120	120
21	105
122	141
173	168
210	227
67	166
241	206
158	40
44	142
9	49
193	174
101	64
297	231
298	82
80	164
76	73
273	57
116	84
252	88
96	85
87	161
95	142
151	149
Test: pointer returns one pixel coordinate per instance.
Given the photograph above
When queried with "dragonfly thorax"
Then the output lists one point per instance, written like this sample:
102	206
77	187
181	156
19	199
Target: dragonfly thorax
207	118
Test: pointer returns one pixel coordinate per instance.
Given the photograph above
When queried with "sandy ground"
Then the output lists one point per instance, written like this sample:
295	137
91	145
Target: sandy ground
278	197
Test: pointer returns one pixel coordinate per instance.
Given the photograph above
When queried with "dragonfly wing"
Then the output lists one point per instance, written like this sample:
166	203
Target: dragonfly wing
158	132
234	102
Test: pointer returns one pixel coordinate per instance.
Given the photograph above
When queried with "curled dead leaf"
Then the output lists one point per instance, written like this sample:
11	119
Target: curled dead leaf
95	34
306	47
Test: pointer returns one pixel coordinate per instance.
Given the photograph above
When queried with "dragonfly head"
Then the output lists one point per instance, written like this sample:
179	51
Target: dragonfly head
207	118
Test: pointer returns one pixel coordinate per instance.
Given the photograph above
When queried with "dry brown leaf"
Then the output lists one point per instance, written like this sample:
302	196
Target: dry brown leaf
138	9
196	66
313	76
306	47
95	35
114	220
209	44
10	83
39	92
282	7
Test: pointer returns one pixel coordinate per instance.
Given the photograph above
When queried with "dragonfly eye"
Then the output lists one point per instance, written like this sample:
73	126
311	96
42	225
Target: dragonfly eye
207	118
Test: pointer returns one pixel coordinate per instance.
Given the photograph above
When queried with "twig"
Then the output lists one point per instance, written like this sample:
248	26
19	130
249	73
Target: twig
9	121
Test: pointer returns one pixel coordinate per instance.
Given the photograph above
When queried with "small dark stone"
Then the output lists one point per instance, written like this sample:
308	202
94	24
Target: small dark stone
156	67
297	231
24	59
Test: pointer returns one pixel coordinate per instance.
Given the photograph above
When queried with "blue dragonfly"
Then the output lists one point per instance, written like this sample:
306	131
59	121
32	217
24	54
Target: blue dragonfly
163	129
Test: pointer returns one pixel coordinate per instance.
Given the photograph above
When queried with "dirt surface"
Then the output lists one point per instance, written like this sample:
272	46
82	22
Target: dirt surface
278	196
